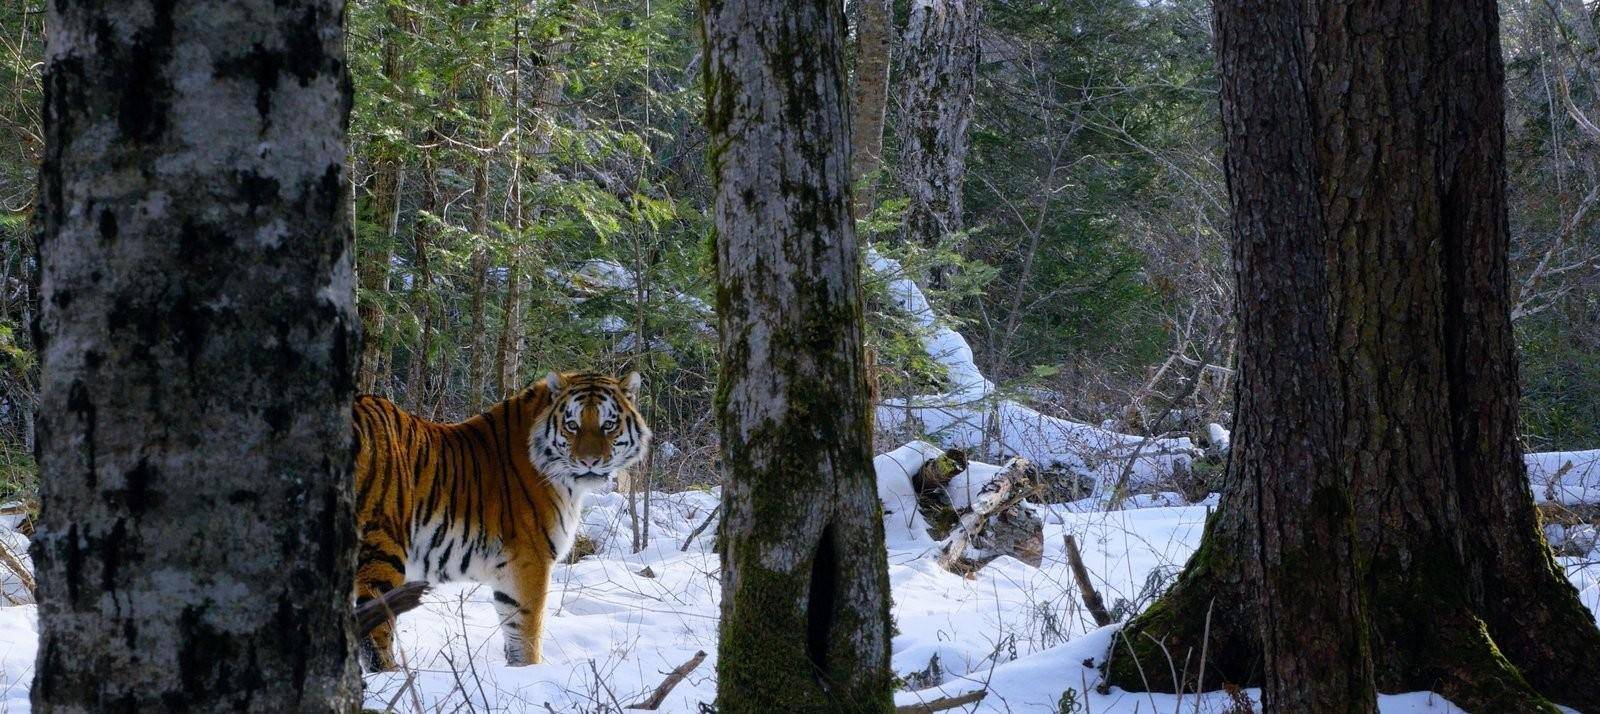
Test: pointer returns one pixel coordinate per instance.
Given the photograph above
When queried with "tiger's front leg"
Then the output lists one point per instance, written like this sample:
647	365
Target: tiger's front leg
519	599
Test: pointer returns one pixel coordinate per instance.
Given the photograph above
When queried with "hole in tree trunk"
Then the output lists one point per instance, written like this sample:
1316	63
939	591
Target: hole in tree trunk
820	604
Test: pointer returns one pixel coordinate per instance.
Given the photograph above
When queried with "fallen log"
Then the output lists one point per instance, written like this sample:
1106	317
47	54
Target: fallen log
996	523
932	498
372	613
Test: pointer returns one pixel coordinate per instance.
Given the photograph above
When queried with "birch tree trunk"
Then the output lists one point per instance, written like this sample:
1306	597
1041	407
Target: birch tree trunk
1464	598
805	590
936	72
194	548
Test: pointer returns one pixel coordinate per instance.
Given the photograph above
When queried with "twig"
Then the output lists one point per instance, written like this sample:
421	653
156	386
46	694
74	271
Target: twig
672	680
943	703
699	529
1091	598
372	613
14	564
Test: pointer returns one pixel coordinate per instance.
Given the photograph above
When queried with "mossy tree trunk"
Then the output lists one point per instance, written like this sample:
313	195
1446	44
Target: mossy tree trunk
936	73
1524	597
1462	593
805	590
198	343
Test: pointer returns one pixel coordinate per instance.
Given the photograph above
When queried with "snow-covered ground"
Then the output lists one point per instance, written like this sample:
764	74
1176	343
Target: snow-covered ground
618	621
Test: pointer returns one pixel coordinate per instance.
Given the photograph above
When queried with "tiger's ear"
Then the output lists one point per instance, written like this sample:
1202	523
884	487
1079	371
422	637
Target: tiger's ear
552	381
631	384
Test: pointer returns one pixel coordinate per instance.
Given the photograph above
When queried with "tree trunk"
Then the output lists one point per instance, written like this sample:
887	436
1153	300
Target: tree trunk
869	98
422	296
194	548
384	207
1530	607
1287	484
1463	596
508	356
805	605
937	72
480	254
384	210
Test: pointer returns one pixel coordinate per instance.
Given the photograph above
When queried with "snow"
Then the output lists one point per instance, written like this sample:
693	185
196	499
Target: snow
618	621
969	409
1566	477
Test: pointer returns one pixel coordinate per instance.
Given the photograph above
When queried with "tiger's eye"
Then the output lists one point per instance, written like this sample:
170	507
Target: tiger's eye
571	425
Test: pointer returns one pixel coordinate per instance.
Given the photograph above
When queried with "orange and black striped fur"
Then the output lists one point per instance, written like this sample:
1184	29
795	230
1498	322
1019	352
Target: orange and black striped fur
494	499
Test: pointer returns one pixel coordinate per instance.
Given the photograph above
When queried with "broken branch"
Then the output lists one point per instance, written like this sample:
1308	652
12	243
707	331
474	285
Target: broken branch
672	680
943	703
1091	598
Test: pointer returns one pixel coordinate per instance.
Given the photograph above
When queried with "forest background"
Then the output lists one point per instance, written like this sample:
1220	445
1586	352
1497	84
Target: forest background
531	194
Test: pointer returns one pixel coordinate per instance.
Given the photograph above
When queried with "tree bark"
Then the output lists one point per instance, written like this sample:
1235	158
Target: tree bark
1463	596
508	355
805	618
937	71
199	331
422	297
1527	602
373	258
1288	485
869	98
480	254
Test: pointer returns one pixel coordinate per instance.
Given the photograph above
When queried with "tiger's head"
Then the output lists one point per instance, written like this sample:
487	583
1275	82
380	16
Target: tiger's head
591	429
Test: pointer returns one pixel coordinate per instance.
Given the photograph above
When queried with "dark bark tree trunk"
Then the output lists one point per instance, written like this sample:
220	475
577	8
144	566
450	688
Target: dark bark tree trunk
480	255
373	259
805	606
422	297
194	548
1525	598
1287	483
1462	593
936	73
869	98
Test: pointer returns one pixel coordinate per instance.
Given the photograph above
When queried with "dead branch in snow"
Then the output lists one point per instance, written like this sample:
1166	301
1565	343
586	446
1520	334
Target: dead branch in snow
1091	597
672	680
372	613
943	703
700	528
24	576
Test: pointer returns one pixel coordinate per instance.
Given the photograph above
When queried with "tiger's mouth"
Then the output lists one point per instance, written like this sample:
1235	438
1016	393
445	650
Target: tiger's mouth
583	475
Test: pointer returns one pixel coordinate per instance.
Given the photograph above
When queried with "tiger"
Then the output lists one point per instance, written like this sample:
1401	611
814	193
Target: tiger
493	499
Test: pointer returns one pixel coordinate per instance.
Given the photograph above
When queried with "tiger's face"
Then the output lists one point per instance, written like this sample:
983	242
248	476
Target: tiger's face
591	429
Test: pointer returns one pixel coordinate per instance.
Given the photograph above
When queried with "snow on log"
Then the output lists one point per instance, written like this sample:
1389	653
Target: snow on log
968	411
997	522
973	512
